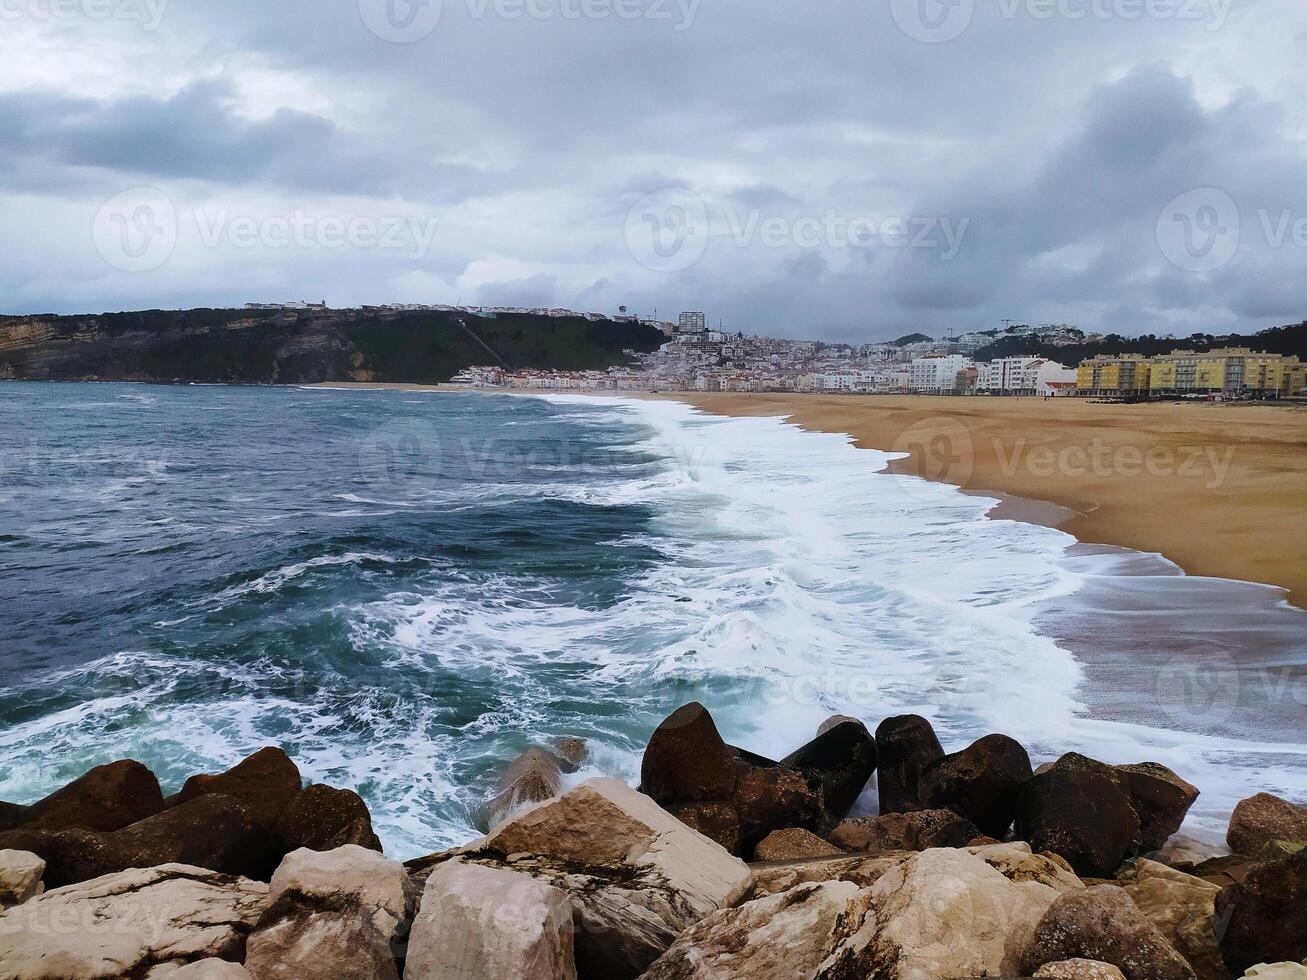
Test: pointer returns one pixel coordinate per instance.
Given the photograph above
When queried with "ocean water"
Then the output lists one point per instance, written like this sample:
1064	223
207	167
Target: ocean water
407	589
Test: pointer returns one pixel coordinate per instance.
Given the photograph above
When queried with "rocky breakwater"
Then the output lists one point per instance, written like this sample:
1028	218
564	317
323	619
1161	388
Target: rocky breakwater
726	866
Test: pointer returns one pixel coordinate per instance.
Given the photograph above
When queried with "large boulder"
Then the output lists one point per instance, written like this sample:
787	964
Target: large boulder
1186	852
1078	970
1182	908
341	914
124	924
107	798
863	870
718	821
323	818
1263	818
479	922
1278	971
1265	915
731	796
532	777
1160	798
1016	862
905	745
638	877
210	969
769	796
941	913
1078	808
917	830
264	783
981	783
838	763
213	832
786	935
1103	923
793	844
20	877
687	761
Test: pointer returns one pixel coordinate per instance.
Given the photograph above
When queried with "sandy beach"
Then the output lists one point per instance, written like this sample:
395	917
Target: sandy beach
1219	489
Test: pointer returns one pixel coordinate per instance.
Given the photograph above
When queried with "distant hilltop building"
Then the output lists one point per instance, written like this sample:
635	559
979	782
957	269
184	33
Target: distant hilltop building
297	305
1235	372
692	323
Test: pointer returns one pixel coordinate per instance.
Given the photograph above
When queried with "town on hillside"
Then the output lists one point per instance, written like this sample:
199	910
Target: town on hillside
697	357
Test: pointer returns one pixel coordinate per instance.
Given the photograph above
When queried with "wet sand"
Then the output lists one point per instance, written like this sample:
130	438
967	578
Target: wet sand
1219	489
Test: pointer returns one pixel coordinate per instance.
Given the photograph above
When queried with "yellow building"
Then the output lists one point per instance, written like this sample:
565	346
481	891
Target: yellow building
1120	375
1229	371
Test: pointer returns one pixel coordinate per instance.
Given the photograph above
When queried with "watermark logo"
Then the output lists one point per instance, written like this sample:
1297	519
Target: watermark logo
939	450
147	13
401	21
1199	230
667	231
836	231
136	231
1198	689
300	229
933	21
402	455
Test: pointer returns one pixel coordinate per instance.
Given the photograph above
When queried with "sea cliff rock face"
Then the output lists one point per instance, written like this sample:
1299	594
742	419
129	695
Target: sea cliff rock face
289	347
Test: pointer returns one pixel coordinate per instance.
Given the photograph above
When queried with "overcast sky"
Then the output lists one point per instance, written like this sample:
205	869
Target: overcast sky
845	169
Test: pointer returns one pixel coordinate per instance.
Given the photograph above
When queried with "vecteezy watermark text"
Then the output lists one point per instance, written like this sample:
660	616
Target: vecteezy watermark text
408	21
938	21
669	230
147	13
139	229
1201	230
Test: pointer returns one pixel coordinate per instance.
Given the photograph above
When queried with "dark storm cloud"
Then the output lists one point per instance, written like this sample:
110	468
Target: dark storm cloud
1051	147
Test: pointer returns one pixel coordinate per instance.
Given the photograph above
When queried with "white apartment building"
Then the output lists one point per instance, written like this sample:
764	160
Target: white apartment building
936	374
1023	376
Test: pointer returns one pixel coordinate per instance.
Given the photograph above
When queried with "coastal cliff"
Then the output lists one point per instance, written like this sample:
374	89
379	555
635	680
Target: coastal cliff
305	347
977	866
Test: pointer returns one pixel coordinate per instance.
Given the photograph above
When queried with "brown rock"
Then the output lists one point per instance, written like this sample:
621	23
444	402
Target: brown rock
1078	808
533	777
771	797
792	844
1160	799
213	832
106	798
295	942
1263	818
834	720
1265	915
11	815
838	763
572	750
1102	923
264	783
981	783
717	821
323	818
915	831
1181	907
905	745
686	760
1078	970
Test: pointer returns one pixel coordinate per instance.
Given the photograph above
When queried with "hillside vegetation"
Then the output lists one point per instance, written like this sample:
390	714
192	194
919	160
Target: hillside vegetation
284	347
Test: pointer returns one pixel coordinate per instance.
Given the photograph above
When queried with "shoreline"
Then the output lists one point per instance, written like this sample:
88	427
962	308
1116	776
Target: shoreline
1214	489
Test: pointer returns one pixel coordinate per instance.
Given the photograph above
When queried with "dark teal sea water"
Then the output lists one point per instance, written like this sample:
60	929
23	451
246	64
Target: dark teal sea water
405	590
